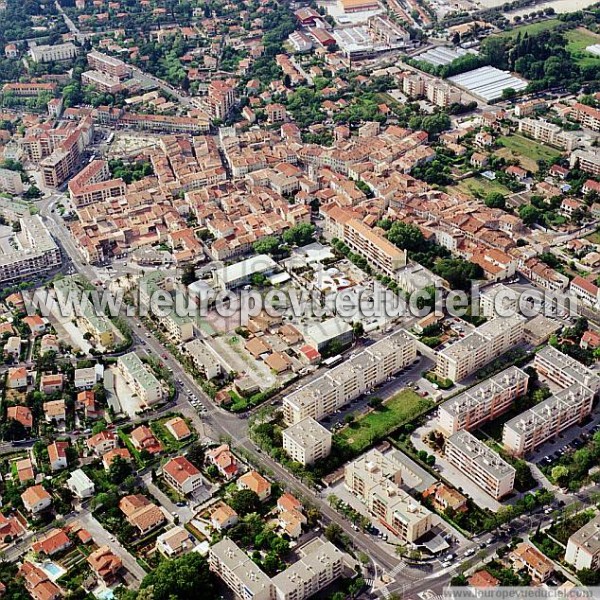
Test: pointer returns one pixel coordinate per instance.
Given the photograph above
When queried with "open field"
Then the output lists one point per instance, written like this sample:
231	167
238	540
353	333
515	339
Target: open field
526	151
478	187
531	28
579	39
403	407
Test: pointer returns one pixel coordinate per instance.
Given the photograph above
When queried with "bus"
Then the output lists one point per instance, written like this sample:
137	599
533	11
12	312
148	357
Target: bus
333	360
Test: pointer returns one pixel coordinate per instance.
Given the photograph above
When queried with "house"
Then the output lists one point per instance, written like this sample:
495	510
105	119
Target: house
49	343
224	460
12	348
105	563
21	414
256	482
223	517
528	557
291	522
51	383
80	484
38	583
257	347
55	411
88	377
178	428
517	172
558	171
84	536
482	579
479	160
279	362
444	497
142	438
109	456
141	513
309	355
102	442
590	186
568	206
25	470
590	340
10	529
86	401
484	139
36	499
55	541
585	290
288	502
57	455
182	475
174	542
35	323
16	378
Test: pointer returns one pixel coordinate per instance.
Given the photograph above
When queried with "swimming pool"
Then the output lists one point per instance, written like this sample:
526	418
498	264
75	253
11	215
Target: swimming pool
106	594
53	570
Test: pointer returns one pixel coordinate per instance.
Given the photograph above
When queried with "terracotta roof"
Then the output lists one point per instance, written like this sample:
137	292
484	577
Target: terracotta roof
22	414
256	482
180	469
179	428
52	542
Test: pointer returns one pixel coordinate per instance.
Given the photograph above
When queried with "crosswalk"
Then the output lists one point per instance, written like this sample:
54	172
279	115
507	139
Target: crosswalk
398	569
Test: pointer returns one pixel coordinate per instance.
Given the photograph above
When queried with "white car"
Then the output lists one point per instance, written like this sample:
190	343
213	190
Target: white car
446	564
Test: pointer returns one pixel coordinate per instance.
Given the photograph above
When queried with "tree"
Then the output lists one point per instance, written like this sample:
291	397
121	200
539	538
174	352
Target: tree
406	236
267	245
119	470
196	454
333	532
244	502
495	200
181	578
299	235
189	275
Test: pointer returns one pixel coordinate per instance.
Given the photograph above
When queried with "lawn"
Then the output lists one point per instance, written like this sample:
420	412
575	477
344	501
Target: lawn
398	410
527	151
478	187
578	40
594	237
531	28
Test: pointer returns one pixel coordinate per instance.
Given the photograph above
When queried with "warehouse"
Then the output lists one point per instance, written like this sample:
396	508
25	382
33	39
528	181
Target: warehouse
488	83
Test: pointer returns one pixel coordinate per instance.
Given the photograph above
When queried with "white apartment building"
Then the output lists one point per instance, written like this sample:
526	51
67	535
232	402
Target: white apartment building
375	479
140	379
108	65
480	464
205	360
357	375
320	564
413	86
486	343
498	300
10	181
36	252
583	547
441	94
483	402
57	53
547	133
564	370
307	441
529	430
588	161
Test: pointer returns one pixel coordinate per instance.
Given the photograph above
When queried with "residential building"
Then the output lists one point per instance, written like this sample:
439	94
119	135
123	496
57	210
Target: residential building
80	484
221	98
107	64
204	358
182	475
375	479
307	441
441	94
178	428
588	116
102	442
357	375
55	411
548	133
142	438
252	480
105	563
56	53
21	414
102	82
57	455
35	253
16	378
141	513
564	370
528	557
140	379
38	583
480	463
486	343
586	290
108	457
10	181
483	402
444	498
223	517
53	542
583	547
174	542
529	430
36	499
225	461
587	161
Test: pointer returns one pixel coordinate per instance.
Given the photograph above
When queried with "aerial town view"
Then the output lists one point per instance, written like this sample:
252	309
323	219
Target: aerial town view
299	299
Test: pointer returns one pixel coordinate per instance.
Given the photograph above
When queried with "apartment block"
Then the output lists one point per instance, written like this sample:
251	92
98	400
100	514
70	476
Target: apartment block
375	479
583	547
441	94
205	360
547	133
498	300
108	65
587	161
413	86
57	53
319	564
483	402
36	252
480	464
307	441
357	375
221	98
102	81
486	343
564	370
140	379
92	184
10	181
529	430
588	116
